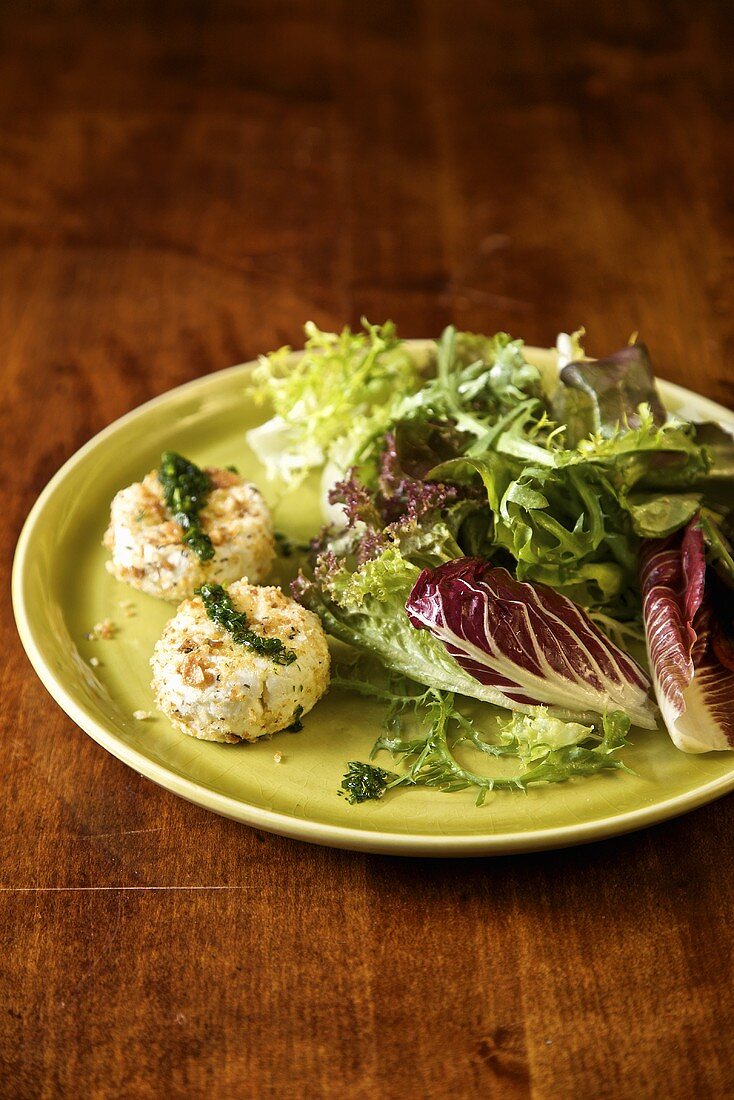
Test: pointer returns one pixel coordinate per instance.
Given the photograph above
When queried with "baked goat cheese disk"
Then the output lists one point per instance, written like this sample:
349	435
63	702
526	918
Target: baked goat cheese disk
217	689
147	547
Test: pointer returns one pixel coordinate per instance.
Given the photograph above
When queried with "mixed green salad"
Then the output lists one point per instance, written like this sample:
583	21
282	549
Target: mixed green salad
530	531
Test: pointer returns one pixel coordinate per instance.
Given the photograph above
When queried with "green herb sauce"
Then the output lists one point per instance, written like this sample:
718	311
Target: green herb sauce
364	782
185	491
221	610
296	725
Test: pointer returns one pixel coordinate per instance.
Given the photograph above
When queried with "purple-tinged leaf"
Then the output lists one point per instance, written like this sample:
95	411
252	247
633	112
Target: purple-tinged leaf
685	610
421	443
357	500
403	498
534	645
603	395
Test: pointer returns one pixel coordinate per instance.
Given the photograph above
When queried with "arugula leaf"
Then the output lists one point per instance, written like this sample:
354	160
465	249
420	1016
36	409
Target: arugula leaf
479	378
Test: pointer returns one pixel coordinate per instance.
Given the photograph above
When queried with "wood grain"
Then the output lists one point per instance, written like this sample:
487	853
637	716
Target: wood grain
181	186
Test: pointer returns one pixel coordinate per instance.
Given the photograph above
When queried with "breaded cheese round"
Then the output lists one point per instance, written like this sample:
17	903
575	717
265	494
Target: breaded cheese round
147	545
216	689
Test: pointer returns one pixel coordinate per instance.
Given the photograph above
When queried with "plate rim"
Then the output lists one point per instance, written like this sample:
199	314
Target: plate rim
298	827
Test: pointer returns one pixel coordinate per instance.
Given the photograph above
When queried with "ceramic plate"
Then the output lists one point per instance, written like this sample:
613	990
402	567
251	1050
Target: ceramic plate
61	589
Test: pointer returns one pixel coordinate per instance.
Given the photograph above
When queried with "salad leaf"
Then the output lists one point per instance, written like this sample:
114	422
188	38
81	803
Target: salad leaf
600	396
570	517
478	379
402	510
335	403
720	552
548	483
435	764
685	611
540	730
649	456
419	444
528	642
366	609
716	484
654	516
338	393
545	751
564	528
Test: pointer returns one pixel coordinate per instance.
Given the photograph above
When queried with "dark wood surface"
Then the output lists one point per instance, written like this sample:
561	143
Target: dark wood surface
182	184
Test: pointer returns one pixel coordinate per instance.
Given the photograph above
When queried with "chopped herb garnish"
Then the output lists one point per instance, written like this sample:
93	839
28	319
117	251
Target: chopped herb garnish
364	782
185	491
296	725
232	469
221	610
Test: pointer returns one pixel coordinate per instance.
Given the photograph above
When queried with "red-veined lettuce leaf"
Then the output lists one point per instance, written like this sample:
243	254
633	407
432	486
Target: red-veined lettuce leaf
531	643
600	396
685	610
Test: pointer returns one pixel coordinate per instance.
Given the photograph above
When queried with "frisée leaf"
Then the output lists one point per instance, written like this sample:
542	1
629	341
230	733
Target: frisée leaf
545	750
339	390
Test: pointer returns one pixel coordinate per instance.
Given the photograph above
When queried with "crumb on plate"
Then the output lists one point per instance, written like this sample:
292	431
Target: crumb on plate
102	631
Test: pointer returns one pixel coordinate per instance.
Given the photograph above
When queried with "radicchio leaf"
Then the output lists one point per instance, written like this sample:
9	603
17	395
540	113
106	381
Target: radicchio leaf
685	611
534	645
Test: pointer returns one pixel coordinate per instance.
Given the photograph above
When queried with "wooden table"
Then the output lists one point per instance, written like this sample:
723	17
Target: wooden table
181	186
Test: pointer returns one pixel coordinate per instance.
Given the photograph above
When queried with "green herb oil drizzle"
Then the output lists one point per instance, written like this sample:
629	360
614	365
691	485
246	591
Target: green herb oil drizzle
221	610
296	725
185	491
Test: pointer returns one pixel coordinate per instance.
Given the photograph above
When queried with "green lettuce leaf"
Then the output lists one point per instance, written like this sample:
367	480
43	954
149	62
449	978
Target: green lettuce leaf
571	516
654	515
534	733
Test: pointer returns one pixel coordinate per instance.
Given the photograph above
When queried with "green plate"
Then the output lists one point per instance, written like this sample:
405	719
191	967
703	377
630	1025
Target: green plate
61	589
